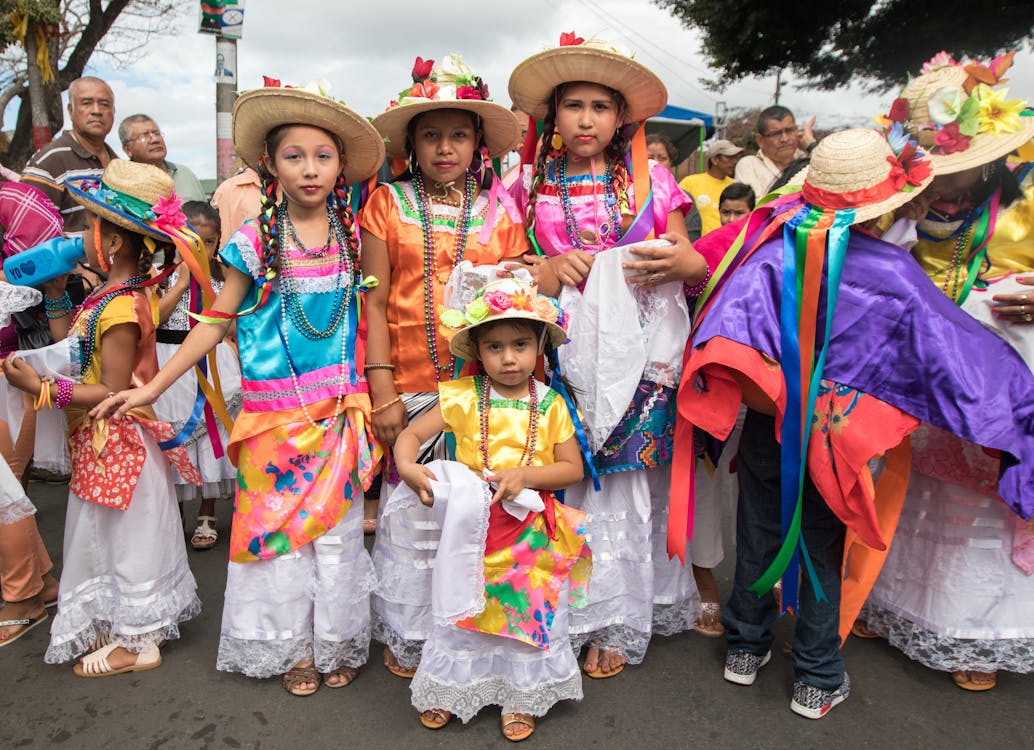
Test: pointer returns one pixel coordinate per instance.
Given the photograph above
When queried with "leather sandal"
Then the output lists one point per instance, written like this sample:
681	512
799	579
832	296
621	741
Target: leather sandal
965	679
508	720
205	535
297	676
435	718
347	675
391	663
710	624
96	664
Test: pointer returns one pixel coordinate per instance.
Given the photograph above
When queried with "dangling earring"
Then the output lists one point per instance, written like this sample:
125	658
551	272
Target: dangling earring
557	146
97	243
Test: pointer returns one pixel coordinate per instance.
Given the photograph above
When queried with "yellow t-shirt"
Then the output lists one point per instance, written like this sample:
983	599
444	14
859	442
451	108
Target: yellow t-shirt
705	191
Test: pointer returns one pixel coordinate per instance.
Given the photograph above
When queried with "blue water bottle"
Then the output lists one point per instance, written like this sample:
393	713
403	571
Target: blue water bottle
44	262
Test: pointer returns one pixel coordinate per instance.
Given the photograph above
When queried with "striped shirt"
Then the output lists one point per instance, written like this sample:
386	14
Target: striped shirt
62	159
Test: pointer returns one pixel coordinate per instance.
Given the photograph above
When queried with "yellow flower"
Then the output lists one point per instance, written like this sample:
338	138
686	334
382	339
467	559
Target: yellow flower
996	115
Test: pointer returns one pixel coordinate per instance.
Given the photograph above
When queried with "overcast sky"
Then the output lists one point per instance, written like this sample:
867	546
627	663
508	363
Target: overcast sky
366	50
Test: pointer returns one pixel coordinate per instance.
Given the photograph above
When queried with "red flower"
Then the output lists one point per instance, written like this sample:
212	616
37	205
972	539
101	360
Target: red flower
467	92
899	110
425	90
949	140
422	69
270	83
482	88
897	173
568	39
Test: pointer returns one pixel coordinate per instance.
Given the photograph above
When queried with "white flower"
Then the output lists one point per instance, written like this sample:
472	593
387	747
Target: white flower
944	104
319	86
452	70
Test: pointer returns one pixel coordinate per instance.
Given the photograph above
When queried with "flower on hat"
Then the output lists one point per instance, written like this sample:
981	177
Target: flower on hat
544	308
476	310
941	60
452	318
521	300
996	114
423	90
498	301
990	74
950	140
898	110
568	39
169	212
945	104
422	69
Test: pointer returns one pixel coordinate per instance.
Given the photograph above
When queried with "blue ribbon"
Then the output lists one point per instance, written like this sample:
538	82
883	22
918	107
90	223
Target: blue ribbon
199	401
557	384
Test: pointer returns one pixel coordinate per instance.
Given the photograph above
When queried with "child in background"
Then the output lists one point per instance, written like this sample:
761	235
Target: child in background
506	643
299	578
580	201
735	202
447	207
125	583
205	444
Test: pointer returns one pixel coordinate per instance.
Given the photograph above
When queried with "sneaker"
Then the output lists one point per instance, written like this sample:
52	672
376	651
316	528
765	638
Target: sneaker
814	703
742	667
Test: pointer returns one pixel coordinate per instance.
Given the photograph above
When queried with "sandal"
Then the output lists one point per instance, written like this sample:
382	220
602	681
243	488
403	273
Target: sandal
435	718
205	535
391	663
861	630
26	624
508	720
598	673
96	664
347	675
710	624
297	676
967	680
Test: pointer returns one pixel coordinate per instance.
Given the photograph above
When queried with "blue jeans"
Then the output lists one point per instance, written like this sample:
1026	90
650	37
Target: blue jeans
748	618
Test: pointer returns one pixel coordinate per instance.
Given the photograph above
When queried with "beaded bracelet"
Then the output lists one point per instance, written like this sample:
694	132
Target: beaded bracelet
696	291
382	407
64	394
57	307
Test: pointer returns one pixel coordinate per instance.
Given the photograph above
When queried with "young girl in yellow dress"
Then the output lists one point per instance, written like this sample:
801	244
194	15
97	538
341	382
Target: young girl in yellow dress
510	554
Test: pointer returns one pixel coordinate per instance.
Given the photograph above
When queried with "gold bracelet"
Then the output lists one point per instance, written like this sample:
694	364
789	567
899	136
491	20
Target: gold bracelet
379	366
382	407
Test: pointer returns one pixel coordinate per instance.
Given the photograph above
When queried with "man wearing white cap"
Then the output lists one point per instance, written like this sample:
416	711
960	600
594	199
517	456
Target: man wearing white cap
706	187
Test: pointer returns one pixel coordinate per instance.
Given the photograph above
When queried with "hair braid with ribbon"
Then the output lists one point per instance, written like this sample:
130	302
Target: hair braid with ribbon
267	222
343	206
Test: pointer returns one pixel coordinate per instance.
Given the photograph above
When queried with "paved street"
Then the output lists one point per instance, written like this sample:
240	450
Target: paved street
676	699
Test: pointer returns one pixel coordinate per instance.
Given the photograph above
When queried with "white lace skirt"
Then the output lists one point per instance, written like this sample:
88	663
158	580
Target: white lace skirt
463	671
14	504
619	531
218	476
949	595
676	600
50	450
125	572
311	603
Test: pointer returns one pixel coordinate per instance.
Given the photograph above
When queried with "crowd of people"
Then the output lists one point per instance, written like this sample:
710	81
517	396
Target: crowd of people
554	390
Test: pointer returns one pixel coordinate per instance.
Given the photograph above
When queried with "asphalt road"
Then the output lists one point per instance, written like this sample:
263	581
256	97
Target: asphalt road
675	699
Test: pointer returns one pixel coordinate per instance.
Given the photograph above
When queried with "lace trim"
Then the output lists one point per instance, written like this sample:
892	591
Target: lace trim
625	640
15	510
247	252
262	659
950	654
477	582
407	652
87	635
670	619
443	217
467	699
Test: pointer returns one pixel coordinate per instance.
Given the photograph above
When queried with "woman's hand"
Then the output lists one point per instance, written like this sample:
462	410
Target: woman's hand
22	375
418	477
1017	309
508	482
120	403
675	262
388	424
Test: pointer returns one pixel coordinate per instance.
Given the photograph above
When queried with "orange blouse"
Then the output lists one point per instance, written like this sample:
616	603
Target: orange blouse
391	214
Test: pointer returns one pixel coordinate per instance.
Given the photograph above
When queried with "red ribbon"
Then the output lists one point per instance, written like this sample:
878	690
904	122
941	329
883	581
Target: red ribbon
899	177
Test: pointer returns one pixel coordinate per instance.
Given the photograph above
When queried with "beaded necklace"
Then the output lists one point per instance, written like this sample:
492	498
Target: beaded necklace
291	309
431	264
954	271
579	238
92	307
318	252
484	386
290	297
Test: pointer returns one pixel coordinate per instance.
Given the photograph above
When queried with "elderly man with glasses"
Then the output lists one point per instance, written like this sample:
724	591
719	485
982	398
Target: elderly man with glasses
779	143
143	142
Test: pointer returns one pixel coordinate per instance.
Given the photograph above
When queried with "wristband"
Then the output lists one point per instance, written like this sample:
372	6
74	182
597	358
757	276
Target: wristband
382	407
696	291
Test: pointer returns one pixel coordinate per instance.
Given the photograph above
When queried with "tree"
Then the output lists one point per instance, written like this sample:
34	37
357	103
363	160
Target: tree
831	43
74	31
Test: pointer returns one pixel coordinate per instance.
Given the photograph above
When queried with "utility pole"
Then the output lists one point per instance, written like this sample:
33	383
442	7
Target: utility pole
225	95
779	85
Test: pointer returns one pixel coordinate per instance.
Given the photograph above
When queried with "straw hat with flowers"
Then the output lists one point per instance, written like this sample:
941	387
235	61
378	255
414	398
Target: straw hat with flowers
533	81
450	84
960	113
259	111
505	299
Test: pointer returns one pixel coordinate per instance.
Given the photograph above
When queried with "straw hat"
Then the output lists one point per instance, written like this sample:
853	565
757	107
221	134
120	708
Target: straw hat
859	169
935	101
505	299
258	111
448	85
533	81
133	195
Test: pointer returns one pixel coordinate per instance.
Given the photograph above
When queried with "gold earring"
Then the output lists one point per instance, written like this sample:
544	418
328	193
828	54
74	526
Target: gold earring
557	142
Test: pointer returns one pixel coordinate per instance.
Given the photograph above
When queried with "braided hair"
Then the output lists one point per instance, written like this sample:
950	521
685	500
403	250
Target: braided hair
341	202
614	152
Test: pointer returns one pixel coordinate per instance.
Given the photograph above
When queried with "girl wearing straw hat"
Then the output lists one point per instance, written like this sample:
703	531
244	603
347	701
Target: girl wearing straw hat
511	556
587	192
299	578
971	614
125	583
798	326
446	209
